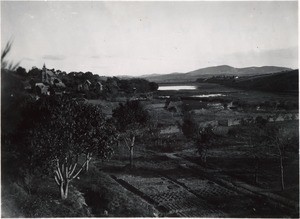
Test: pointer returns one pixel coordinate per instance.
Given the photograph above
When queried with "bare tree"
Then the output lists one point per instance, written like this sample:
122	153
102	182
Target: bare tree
280	140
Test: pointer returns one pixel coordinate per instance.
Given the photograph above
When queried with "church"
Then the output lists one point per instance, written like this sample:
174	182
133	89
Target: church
50	78
47	80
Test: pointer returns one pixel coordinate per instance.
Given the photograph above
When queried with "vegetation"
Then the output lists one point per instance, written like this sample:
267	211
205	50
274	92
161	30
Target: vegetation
61	131
131	119
286	81
5	64
282	141
203	138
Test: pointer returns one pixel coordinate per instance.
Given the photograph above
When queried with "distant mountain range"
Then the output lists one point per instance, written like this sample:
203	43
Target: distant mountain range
213	71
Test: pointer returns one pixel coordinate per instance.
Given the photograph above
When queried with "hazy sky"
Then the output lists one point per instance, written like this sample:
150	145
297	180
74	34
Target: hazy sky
135	38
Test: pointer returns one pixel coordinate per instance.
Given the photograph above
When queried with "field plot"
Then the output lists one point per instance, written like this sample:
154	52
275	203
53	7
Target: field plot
169	197
237	180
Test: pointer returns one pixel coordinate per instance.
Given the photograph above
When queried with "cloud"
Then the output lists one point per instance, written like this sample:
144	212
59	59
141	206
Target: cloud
27	59
54	57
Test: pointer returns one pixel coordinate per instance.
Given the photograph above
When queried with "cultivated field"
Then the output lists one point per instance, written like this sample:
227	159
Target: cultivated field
237	179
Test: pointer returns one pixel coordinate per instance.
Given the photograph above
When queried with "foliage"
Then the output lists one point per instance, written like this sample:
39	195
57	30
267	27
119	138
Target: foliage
170	144
137	85
5	64
189	127
61	132
278	140
131	120
130	115
111	85
203	138
204	141
21	71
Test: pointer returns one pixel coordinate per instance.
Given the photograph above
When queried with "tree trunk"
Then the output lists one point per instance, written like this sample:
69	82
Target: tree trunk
64	188
131	157
88	159
256	172
64	174
131	151
87	166
281	173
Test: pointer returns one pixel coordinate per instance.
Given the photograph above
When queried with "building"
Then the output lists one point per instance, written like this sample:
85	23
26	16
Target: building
86	85
99	87
50	78
41	88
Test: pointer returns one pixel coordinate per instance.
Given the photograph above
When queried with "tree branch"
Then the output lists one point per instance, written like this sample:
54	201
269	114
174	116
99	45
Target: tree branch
66	171
81	168
74	167
59	173
126	142
56	180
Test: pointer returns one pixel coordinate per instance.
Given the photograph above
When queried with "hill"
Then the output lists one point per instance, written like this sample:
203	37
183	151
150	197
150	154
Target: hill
213	71
279	82
286	81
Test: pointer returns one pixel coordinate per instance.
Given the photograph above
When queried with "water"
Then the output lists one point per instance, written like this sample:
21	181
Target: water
209	95
179	87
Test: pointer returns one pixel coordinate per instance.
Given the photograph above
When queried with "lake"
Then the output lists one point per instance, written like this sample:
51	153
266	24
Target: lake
209	95
178	87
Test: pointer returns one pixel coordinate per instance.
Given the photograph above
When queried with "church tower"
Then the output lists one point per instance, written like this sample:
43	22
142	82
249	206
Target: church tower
44	74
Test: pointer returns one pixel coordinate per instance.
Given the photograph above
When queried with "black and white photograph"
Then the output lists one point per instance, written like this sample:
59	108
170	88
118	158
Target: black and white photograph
149	109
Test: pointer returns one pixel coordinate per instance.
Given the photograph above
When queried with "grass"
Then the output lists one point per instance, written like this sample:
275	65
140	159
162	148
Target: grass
42	200
108	198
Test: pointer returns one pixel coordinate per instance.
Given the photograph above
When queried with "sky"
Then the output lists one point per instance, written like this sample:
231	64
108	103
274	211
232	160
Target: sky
137	38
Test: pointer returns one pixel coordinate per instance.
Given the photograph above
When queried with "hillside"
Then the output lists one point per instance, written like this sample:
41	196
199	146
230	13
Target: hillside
213	71
286	81
279	82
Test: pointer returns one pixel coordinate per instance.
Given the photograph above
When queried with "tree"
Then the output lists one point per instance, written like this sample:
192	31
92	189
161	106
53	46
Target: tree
152	133
153	86
256	141
281	140
64	132
94	134
21	71
268	139
130	119
189	127
203	138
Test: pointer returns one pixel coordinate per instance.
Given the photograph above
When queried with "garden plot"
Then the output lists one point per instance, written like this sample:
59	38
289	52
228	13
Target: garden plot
170	197
206	188
224	200
152	186
157	163
202	213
